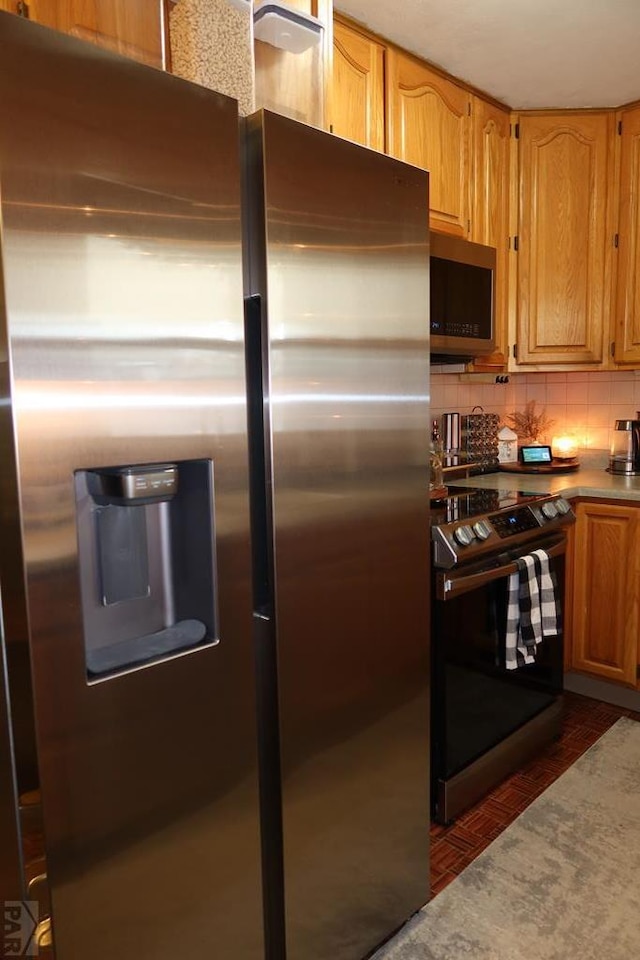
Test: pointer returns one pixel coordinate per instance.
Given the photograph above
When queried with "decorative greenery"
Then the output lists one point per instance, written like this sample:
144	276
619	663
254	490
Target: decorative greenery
528	424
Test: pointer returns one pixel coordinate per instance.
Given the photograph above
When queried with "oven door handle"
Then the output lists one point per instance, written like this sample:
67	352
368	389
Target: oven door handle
450	586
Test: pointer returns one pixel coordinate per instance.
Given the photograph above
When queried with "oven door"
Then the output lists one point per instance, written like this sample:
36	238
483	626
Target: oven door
477	704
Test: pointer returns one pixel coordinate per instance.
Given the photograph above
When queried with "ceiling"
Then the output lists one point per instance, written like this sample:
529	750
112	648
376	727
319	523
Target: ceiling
527	53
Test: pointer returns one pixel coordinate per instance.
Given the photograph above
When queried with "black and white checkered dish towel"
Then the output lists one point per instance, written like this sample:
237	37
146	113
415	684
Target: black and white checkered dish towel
532	611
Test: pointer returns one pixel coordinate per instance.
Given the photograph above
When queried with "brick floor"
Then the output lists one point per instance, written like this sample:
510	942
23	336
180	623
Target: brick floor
454	847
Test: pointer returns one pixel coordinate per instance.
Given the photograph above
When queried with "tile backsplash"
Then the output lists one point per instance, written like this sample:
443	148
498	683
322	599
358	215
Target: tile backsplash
582	404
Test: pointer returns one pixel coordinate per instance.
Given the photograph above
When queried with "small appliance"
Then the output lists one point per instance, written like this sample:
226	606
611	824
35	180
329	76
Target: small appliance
625	447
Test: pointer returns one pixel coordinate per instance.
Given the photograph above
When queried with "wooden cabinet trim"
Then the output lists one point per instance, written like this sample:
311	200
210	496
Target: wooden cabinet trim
345	53
568	130
419	89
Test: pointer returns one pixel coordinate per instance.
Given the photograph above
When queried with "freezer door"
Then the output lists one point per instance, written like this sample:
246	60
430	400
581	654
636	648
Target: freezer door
122	259
344	285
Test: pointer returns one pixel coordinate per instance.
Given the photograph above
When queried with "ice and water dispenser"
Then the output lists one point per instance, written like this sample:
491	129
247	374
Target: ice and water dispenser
147	562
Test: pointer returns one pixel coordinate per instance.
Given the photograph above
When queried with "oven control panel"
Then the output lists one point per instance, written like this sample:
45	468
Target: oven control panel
510	522
458	541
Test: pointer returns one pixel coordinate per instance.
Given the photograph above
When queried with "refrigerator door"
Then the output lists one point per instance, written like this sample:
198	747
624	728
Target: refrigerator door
121	253
12	875
343	279
12	886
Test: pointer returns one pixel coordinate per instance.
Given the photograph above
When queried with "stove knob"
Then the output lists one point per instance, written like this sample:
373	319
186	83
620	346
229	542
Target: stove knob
549	509
482	529
563	506
464	535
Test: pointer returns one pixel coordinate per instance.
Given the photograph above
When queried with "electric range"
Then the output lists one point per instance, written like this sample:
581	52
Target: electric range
471	522
487	719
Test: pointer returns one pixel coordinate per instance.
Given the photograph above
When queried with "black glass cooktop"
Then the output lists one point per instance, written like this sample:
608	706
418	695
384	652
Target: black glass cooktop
462	503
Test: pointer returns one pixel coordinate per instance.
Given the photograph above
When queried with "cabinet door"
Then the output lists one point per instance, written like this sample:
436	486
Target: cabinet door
40	11
627	335
357	90
132	29
565	165
490	216
606	591
429	125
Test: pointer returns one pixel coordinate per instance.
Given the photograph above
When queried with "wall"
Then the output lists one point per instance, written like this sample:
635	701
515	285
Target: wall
585	404
212	44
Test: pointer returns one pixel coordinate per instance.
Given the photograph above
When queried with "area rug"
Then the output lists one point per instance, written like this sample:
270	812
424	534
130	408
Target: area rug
561	883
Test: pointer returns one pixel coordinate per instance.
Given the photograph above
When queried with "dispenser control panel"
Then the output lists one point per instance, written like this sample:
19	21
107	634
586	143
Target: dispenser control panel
146	483
152	483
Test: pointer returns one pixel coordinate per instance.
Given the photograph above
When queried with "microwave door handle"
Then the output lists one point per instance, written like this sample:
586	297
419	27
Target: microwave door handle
451	586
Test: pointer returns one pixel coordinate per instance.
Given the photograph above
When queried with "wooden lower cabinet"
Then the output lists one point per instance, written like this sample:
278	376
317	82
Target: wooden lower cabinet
604	592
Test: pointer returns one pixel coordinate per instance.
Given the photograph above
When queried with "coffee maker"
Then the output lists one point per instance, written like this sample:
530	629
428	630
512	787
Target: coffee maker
625	447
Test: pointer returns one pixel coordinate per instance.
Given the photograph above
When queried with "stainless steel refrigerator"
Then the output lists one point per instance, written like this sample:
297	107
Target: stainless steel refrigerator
214	543
338	315
126	562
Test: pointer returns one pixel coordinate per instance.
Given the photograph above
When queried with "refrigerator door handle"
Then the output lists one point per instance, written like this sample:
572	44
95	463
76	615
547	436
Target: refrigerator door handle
264	628
270	763
257	416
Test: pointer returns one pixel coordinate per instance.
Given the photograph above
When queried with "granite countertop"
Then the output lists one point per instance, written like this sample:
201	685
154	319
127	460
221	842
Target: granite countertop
590	480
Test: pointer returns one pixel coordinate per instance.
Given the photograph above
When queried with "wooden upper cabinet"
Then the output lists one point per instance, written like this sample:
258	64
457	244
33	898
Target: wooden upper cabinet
491	139
40	11
490	214
627	316
428	124
132	29
562	301
357	89
606	592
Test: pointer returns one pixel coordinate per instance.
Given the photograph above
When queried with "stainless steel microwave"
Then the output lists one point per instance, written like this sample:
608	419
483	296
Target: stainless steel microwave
462	299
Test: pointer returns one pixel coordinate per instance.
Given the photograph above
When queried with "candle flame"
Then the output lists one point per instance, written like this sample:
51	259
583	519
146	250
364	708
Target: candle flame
564	448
